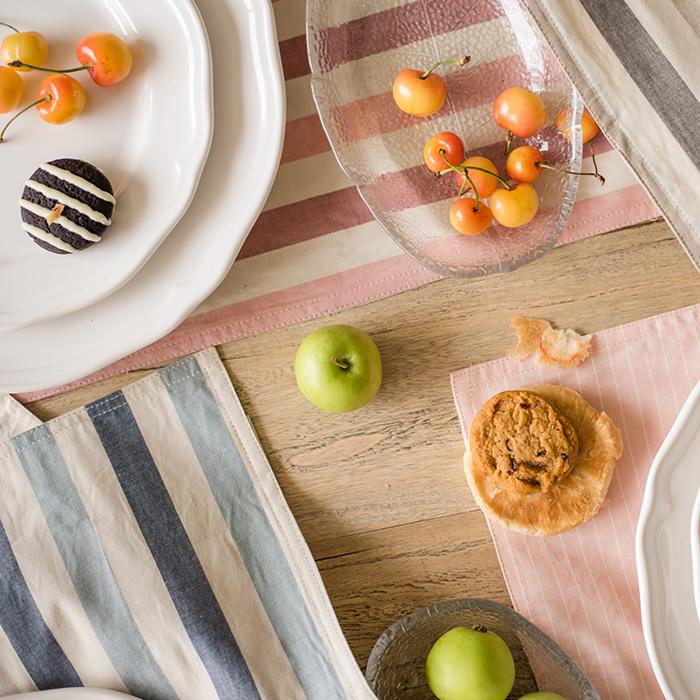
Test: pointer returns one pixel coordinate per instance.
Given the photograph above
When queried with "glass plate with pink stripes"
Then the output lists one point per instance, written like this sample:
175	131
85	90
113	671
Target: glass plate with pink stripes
356	49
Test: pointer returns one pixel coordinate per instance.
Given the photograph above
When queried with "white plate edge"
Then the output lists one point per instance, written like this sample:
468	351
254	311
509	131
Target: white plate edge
692	403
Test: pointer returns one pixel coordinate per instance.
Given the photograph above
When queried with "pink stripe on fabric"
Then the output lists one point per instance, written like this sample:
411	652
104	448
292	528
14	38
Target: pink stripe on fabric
302	221
590	582
402	25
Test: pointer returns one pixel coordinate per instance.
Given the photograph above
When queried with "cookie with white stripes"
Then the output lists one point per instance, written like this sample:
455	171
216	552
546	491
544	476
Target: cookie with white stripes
66	205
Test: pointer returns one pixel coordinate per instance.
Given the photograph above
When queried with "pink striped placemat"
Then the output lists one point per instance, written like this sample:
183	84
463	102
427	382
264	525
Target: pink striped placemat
316	248
581	587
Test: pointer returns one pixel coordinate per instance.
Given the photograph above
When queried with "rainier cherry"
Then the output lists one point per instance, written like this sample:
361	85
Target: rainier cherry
60	99
104	56
483	175
589	127
516	206
525	164
11	89
519	112
469	217
441	147
27	47
422	93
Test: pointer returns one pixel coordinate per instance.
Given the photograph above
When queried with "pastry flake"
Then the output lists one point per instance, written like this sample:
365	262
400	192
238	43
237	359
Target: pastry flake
563	347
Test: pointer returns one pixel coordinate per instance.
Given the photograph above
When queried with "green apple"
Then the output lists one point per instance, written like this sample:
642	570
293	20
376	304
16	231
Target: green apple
543	695
338	368
470	664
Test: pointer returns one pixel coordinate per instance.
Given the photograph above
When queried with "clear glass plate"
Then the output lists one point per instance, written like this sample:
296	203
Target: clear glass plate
396	666
355	50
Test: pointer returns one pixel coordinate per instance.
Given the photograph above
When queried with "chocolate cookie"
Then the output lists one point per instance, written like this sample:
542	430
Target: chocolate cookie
524	441
66	205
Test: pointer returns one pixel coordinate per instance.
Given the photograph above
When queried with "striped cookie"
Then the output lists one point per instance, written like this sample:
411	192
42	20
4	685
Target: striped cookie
66	205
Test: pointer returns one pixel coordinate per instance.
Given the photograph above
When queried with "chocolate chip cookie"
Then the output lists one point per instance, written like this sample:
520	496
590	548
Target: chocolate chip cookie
524	442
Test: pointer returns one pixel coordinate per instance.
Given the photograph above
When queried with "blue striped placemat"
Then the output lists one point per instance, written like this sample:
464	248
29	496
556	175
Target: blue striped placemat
145	547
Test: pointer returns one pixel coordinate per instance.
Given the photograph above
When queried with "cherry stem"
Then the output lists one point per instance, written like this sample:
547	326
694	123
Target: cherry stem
22	64
509	142
449	62
47	98
462	170
9	26
594	174
343	364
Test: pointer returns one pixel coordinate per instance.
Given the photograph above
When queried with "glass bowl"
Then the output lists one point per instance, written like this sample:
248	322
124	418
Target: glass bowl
396	666
355	50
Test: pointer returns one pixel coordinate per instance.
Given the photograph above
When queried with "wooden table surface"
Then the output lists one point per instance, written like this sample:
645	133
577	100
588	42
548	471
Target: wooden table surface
379	494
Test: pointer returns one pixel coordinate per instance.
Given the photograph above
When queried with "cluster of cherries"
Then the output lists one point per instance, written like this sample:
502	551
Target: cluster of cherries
521	113
60	97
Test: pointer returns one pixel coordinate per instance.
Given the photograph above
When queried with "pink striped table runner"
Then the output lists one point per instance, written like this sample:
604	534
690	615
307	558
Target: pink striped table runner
581	587
316	248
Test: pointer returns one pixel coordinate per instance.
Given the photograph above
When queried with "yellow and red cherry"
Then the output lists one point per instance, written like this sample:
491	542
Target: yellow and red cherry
27	47
107	56
104	56
442	147
422	93
59	100
483	175
470	218
589	127
524	164
520	112
516	206
11	89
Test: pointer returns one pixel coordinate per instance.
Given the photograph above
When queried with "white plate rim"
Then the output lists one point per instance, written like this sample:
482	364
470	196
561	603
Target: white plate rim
193	162
695	551
644	544
159	323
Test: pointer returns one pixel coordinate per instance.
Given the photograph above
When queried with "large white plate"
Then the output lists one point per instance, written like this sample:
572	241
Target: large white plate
249	107
150	135
695	551
664	568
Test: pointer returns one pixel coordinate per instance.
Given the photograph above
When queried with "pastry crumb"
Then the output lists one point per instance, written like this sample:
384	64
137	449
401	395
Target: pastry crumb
563	347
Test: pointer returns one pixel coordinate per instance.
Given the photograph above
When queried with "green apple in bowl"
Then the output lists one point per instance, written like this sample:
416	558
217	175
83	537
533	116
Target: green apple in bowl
338	368
543	695
470	664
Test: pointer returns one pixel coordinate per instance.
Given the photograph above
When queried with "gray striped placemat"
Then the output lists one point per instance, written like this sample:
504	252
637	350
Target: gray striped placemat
146	547
635	63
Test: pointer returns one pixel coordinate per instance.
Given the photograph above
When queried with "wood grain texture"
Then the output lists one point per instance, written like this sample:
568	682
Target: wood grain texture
379	494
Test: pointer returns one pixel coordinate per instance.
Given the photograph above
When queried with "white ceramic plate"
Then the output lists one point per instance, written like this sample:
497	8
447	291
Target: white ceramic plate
72	694
249	107
664	568
695	551
150	135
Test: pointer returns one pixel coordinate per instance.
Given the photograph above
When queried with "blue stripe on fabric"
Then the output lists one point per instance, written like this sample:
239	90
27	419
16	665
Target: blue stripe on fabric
250	528
87	566
30	636
171	548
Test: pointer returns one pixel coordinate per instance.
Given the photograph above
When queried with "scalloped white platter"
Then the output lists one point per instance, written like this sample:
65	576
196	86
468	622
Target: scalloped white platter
664	557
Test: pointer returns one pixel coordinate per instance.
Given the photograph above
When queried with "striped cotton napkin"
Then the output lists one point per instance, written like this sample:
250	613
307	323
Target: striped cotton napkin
635	64
145	547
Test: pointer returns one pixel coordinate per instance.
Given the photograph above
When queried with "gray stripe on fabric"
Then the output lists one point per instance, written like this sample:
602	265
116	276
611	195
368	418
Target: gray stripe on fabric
33	642
250	528
87	566
171	548
651	71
